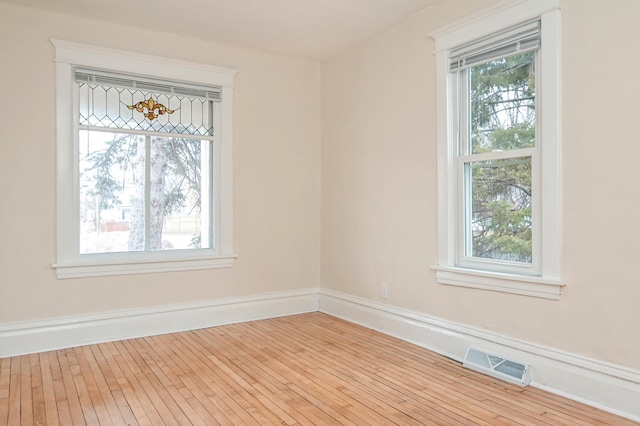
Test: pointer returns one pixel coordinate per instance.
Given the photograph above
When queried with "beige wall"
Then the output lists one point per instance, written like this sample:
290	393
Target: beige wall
379	182
277	173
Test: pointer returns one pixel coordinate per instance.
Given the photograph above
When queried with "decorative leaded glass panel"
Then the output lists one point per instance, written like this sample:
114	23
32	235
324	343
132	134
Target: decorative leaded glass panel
119	103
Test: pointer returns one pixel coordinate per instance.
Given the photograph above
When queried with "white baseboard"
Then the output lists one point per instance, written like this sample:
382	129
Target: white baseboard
607	386
603	385
41	336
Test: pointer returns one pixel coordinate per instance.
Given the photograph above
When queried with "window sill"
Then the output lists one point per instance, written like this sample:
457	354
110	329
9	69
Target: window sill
140	266
506	283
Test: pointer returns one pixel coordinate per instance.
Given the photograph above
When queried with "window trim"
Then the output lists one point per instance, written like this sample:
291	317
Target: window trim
70	263
548	283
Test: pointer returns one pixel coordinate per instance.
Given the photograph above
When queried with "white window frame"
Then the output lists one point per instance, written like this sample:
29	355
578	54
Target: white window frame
70	263
546	280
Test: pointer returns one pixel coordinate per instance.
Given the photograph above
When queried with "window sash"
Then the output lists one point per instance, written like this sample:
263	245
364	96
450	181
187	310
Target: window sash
208	215
464	258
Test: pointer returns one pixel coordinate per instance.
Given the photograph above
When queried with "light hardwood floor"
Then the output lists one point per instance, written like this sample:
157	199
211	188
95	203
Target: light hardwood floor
297	370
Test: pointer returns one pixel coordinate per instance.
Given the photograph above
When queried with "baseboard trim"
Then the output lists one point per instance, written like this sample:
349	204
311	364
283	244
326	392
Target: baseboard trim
41	336
603	385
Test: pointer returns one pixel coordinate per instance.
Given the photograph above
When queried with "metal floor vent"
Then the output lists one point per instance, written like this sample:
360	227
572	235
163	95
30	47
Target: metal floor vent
497	366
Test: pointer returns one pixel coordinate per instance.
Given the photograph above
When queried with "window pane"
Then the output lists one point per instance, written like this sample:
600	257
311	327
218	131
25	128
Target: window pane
502	104
131	204
176	186
111	192
130	109
499	223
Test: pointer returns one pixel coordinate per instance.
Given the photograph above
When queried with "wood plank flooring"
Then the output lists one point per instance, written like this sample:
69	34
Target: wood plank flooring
309	369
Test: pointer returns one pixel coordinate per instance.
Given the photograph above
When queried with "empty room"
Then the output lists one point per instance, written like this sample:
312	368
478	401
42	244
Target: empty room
318	212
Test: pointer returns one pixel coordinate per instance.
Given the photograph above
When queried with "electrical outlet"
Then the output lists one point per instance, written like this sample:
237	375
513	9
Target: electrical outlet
384	290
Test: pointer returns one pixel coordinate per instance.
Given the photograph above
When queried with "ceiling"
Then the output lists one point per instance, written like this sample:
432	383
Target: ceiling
314	29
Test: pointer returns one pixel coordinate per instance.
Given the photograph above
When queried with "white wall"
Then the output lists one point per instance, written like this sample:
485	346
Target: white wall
277	173
379	183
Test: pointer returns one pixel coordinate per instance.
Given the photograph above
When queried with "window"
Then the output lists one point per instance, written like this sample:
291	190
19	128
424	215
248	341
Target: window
498	151
144	163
